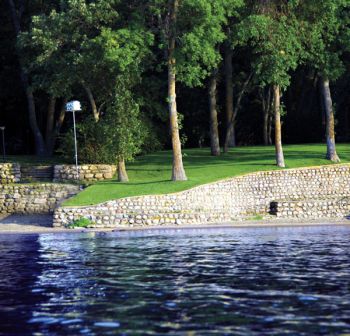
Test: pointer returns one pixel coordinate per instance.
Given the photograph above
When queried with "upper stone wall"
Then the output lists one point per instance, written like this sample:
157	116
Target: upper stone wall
10	173
88	172
222	201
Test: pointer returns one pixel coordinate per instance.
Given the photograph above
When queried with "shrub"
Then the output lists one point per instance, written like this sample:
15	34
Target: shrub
80	223
120	133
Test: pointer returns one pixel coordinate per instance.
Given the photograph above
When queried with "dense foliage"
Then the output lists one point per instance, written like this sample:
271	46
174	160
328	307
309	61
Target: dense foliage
263	60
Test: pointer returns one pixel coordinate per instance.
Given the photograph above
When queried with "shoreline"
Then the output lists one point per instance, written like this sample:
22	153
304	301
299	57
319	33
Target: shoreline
40	224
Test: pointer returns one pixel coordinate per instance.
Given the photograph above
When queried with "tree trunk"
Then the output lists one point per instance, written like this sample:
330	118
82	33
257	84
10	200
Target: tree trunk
92	103
229	96
40	149
214	129
266	104
230	130
50	144
330	133
178	171
346	122
50	124
270	128
278	131
122	174
266	128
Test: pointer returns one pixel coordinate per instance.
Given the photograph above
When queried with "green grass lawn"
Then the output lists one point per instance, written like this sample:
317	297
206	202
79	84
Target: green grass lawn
151	174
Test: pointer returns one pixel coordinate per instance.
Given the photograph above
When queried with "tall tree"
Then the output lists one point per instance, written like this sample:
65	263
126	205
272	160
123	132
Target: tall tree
16	15
58	55
125	141
178	172
232	105
62	49
231	124
190	31
272	31
325	25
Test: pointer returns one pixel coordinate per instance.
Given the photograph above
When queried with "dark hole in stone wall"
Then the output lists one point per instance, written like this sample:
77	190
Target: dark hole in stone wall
273	208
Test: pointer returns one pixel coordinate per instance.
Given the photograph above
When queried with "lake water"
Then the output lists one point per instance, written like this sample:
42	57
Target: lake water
254	281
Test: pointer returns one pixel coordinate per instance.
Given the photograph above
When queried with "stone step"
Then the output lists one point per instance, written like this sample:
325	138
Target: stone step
37	173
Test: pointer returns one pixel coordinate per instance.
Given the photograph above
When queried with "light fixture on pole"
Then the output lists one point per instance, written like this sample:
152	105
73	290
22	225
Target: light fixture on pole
74	106
2	128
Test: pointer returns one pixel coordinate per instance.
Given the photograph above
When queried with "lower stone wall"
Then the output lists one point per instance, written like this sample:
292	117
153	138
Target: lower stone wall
32	199
10	173
223	201
315	208
88	172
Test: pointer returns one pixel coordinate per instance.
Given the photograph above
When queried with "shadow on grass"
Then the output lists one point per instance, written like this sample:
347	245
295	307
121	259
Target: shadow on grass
121	184
239	156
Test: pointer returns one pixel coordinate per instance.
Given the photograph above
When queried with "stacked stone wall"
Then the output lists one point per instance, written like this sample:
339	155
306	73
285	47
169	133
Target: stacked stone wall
10	173
34	199
249	195
313	208
88	172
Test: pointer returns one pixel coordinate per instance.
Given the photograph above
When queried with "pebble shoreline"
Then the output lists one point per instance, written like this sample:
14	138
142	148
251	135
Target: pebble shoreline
41	224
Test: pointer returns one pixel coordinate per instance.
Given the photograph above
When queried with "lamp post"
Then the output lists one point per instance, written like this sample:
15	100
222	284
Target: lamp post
2	128
74	106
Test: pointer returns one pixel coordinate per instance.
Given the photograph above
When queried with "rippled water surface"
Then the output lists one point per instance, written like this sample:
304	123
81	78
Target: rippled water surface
266	281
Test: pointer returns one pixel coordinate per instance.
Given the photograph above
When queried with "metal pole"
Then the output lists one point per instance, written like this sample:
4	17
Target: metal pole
75	146
3	145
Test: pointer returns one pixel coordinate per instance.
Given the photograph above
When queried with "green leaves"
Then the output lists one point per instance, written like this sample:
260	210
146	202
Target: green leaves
200	29
119	133
324	36
276	45
123	124
123	48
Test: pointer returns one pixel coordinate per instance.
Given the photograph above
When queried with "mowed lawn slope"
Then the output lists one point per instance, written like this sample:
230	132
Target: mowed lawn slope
151	174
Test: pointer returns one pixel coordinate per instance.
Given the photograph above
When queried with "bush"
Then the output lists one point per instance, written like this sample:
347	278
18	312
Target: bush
91	137
120	133
80	223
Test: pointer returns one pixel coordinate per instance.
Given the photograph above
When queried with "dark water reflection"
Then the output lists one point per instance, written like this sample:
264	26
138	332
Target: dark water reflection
269	281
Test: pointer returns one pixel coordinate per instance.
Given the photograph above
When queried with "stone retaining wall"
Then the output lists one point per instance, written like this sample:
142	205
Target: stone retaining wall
88	172
10	173
313	208
31	199
222	201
